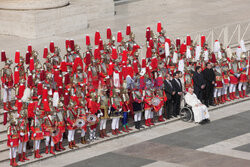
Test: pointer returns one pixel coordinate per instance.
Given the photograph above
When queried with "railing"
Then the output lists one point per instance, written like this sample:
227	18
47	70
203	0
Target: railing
228	35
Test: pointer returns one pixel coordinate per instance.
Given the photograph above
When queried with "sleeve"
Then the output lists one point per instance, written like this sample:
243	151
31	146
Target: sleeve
189	100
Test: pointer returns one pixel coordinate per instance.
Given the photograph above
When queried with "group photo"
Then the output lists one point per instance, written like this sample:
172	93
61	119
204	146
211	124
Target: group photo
124	83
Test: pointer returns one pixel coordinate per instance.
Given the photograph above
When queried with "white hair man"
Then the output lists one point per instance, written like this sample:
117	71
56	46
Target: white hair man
200	111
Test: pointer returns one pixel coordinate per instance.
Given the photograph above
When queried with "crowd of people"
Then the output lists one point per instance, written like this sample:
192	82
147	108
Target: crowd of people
112	81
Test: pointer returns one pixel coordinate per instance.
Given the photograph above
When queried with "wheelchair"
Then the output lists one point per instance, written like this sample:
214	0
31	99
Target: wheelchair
186	113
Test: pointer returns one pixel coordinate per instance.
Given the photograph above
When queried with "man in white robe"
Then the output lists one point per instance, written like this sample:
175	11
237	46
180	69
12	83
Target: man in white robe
200	110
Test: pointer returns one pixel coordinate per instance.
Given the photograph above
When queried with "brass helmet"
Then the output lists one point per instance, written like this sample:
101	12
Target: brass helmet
13	120
23	113
8	62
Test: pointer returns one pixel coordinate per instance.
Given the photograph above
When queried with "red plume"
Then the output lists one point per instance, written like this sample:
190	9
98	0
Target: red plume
39	88
32	64
143	64
159	27
87	40
67	44
52	47
203	40
119	36
178	42
109	33
188	40
149	52
29	48
128	30
97	53
97	37
17	56
27	58
45	52
16	76
3	56
72	44
63	66
114	53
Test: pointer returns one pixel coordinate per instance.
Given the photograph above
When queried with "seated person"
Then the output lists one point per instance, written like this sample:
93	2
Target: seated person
200	111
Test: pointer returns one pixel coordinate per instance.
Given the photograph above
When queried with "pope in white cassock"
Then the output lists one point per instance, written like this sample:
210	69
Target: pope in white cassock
200	110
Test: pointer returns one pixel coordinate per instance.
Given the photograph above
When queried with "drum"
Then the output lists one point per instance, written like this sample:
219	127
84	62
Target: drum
92	119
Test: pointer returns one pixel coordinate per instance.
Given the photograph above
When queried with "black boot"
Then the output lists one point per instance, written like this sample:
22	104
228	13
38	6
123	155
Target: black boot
136	125
140	125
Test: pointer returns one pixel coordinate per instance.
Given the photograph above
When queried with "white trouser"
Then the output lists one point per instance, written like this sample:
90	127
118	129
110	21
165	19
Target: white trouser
82	132
151	114
115	123
71	135
103	123
47	138
147	113
242	86
225	87
6	95
160	112
13	152
217	92
37	144
137	116
22	147
232	88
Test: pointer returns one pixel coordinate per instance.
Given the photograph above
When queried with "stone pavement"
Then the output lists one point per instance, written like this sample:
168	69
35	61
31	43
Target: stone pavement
223	142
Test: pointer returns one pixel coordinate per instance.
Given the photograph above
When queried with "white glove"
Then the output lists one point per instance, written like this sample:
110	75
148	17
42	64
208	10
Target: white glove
21	134
5	87
238	75
107	77
29	134
109	111
120	110
11	144
215	84
34	134
128	111
142	98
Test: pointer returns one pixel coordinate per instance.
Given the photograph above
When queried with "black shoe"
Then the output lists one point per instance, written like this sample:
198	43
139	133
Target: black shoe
137	125
140	126
212	104
207	120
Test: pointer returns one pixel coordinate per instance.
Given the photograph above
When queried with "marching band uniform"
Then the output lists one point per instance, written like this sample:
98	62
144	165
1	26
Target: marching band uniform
125	108
233	75
37	133
24	135
115	111
48	128
137	106
71	119
93	107
60	119
104	107
13	140
226	79
243	68
218	85
7	84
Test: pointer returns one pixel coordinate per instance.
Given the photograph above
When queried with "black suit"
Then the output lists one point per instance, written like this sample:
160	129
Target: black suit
209	77
168	88
176	98
198	82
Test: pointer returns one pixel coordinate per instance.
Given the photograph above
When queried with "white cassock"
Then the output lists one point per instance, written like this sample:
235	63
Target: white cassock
201	111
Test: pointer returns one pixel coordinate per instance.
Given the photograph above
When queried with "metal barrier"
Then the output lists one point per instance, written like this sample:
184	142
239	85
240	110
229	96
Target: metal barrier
228	35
